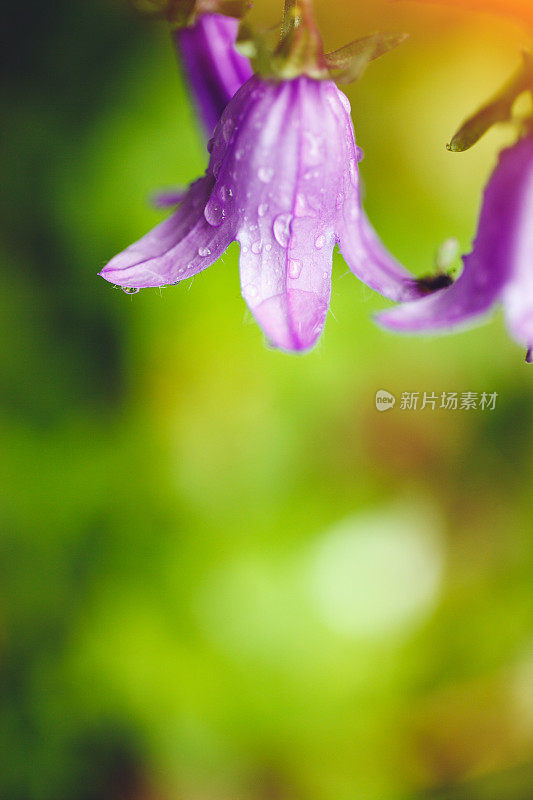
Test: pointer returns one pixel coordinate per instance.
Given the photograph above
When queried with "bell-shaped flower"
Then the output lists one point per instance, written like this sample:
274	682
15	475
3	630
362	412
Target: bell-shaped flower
213	67
499	270
282	180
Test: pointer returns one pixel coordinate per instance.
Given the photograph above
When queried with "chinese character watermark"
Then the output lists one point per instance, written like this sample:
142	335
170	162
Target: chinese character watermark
446	401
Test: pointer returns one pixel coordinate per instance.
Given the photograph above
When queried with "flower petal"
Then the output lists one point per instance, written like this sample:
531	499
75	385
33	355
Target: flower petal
213	67
288	291
362	249
181	246
285	206
518	293
488	268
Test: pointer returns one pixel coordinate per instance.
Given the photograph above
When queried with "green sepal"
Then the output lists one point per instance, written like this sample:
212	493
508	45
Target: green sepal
353	58
498	109
300	50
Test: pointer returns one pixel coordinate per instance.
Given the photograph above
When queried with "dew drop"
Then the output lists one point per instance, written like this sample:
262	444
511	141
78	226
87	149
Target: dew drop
345	102
359	154
257	247
295	268
225	193
129	290
312	148
262	209
228	126
320	241
204	251
214	213
265	174
282	229
353	172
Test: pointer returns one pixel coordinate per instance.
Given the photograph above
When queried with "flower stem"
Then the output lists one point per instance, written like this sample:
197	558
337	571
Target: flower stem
300	50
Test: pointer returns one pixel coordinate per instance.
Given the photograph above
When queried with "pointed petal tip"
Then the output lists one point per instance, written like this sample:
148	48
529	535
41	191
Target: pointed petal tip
131	279
292	322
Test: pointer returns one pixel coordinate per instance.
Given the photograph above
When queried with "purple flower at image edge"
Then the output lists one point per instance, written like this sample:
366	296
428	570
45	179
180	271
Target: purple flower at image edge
282	180
214	69
500	267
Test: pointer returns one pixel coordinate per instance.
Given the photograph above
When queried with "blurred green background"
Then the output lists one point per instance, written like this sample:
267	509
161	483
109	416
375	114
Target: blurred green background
224	574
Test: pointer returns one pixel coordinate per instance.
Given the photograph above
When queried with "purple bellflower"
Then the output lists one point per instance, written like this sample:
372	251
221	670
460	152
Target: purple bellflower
282	180
499	269
213	67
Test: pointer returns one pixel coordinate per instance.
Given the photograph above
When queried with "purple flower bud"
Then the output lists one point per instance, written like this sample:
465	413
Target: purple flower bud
283	181
213	67
500	267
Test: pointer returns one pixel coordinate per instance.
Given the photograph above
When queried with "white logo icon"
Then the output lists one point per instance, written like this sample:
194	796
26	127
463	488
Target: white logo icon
384	400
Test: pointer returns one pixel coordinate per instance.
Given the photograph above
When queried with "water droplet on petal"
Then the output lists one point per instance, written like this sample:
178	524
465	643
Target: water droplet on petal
129	289
353	171
210	145
300	205
282	229
228	126
214	213
268	247
345	102
312	148
295	268
257	247
204	251
262	209
320	241
265	174
359	154
225	193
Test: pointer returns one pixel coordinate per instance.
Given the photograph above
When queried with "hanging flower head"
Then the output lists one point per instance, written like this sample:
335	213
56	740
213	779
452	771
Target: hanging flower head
500	267
213	67
282	180
204	33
